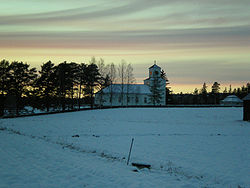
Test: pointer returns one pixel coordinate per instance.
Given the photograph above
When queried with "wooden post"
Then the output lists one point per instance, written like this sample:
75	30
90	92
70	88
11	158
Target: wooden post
130	150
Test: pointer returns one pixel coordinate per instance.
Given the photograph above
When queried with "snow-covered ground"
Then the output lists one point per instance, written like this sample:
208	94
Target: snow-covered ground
186	147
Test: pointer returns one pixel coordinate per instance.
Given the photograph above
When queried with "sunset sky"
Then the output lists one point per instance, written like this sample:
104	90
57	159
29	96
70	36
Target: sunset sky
194	41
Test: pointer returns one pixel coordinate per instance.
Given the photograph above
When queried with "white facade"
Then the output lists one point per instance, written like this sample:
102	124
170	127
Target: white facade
133	94
155	75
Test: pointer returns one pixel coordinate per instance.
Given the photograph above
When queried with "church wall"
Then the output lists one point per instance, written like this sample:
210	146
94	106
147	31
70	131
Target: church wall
134	99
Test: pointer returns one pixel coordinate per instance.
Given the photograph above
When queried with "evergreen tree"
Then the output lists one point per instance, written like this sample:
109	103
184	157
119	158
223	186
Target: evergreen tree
73	81
216	87
91	81
204	93
81	80
21	78
196	93
164	75
230	89
46	84
156	91
4	76
215	92
225	90
168	92
64	82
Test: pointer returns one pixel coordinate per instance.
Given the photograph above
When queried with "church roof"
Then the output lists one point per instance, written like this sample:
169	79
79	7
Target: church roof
247	98
132	89
232	98
154	66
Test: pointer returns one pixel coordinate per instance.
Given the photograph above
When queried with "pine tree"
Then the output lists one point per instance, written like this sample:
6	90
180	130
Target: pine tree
248	87
4	76
215	92
225	90
156	92
204	92
21	78
216	87
80	80
230	89
66	77
91	81
46	84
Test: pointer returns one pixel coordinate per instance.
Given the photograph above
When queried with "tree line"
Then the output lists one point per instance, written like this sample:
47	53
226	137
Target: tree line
63	86
203	96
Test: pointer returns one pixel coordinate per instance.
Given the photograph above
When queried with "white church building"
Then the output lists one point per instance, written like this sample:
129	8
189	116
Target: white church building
134	94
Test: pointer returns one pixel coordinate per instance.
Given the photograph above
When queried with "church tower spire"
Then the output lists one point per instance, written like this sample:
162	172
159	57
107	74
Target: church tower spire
154	71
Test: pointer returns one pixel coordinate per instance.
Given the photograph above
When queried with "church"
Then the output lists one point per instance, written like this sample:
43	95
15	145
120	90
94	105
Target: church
152	92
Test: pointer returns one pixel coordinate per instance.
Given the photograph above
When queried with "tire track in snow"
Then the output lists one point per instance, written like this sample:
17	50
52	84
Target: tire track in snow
169	169
64	145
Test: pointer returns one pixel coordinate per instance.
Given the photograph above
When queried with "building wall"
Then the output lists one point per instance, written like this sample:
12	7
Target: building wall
150	82
246	110
134	99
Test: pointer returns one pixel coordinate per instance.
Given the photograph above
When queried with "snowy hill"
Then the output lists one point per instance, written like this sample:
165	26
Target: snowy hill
186	147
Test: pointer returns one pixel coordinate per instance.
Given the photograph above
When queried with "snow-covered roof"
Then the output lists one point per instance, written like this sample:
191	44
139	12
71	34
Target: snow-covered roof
155	66
232	98
132	88
247	98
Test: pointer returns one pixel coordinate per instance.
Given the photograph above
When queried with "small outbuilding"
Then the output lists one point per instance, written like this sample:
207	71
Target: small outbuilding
246	108
232	100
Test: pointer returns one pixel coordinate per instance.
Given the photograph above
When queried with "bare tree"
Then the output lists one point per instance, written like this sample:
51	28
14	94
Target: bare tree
112	77
122	75
129	79
103	69
104	79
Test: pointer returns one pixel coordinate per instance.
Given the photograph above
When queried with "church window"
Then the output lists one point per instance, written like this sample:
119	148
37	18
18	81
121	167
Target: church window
136	99
156	72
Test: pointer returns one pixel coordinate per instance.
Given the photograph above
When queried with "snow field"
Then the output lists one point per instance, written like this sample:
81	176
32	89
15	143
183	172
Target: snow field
187	147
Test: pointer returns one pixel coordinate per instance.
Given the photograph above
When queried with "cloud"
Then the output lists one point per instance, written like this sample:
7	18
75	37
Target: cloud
171	12
82	13
141	39
193	36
